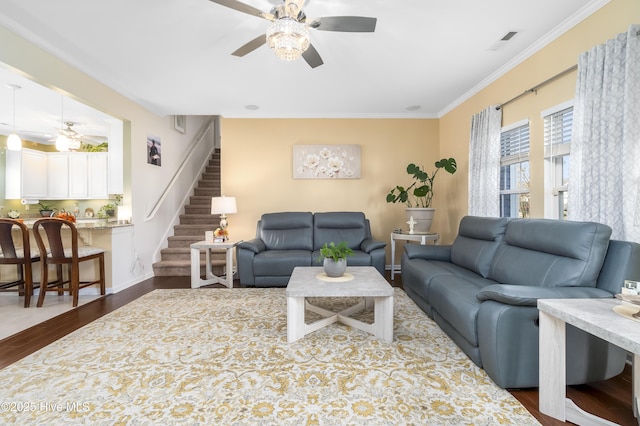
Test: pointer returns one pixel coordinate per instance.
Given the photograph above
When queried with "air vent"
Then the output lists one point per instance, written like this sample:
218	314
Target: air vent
503	41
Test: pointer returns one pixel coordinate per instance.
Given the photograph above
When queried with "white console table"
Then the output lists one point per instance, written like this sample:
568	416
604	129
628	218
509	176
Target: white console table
422	238
596	317
196	280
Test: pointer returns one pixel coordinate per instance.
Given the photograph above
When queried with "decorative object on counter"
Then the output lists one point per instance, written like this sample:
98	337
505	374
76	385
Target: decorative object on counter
46	210
335	258
88	212
13	214
62	214
109	209
222	206
418	196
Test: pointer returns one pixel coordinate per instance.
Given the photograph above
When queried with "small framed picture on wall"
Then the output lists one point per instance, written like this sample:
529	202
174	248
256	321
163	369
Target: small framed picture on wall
154	151
180	123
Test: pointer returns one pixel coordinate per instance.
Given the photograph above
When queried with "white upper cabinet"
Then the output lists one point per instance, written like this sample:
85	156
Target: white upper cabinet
56	175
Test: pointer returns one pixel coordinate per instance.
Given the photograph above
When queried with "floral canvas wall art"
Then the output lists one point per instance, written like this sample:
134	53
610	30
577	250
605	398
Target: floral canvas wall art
326	161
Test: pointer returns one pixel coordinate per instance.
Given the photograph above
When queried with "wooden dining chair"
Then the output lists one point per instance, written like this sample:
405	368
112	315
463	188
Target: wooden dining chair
54	251
18	255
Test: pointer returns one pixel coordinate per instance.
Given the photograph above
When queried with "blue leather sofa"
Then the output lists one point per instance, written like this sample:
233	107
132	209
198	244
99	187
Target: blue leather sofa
483	289
289	239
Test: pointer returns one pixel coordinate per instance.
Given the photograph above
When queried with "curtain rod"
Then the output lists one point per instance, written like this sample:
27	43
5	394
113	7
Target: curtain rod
535	88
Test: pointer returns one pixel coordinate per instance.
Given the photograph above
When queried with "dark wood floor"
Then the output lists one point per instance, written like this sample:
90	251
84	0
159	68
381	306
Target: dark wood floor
610	399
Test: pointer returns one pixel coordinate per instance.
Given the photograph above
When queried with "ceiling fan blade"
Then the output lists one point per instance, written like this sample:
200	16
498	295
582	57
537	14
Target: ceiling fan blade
244	8
312	57
251	46
351	24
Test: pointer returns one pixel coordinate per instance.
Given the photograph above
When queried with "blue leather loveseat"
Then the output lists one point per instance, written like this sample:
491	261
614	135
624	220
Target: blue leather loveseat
289	239
483	289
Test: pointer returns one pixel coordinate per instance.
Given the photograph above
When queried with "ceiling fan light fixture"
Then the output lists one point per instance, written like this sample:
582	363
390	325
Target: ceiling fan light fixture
288	38
62	143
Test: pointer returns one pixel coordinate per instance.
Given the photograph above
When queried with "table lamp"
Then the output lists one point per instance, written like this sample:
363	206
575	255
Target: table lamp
222	206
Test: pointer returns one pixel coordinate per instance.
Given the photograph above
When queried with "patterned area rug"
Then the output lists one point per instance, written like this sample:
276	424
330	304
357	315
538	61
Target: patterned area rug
218	356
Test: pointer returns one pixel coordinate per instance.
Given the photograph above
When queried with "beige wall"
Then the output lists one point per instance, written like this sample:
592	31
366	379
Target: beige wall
257	167
559	55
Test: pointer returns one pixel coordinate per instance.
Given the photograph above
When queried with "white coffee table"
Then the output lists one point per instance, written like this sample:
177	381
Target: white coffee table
366	283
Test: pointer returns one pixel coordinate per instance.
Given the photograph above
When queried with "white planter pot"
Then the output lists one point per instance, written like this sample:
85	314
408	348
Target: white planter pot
333	268
423	217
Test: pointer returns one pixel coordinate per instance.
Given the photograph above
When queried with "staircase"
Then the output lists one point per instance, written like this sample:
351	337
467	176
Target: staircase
175	260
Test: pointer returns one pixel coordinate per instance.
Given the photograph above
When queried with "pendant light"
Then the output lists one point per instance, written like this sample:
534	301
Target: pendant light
62	143
14	143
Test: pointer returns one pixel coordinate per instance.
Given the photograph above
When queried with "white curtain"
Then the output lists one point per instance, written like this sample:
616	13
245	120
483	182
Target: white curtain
605	151
484	163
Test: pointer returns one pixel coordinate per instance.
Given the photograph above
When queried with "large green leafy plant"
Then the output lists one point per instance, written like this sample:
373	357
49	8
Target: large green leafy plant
420	192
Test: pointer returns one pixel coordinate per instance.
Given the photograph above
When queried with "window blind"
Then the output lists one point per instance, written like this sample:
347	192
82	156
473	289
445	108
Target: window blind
514	145
557	132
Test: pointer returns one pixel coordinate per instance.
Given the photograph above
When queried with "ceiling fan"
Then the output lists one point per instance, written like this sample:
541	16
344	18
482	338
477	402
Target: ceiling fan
288	34
76	139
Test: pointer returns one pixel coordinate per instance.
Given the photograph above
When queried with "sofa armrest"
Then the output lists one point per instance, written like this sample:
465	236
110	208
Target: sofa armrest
256	245
369	244
525	295
428	252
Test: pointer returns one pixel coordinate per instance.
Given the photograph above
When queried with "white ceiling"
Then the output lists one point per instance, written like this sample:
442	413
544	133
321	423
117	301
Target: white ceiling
174	56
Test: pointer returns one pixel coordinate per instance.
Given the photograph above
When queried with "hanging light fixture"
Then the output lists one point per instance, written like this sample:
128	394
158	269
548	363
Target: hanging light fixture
288	38
288	34
14	143
62	143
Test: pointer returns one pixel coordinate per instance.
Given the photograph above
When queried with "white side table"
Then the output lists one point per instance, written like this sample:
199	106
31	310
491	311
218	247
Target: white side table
596	317
421	237
209	278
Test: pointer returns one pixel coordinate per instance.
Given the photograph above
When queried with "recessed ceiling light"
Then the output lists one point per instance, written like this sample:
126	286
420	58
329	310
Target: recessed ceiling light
413	108
252	107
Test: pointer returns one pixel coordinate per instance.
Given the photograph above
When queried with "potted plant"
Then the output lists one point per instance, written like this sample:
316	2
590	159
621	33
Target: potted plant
109	209
418	196
46	209
335	258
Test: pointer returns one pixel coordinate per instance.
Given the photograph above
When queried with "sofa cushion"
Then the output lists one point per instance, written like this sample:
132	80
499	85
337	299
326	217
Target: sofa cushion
419	273
350	227
287	231
551	253
477	241
454	299
280	262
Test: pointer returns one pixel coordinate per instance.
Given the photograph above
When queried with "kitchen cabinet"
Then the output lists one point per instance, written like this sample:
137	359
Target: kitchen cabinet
56	175
26	174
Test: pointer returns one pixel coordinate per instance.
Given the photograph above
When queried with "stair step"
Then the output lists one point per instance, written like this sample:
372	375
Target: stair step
200	219
209	183
192	230
197	209
183	240
201	200
206	192
181	268
212	169
184	253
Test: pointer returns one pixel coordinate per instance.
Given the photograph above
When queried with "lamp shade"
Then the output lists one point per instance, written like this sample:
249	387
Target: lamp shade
14	143
223	205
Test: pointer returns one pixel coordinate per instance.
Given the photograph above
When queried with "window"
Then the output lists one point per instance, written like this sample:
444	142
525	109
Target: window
558	123
514	171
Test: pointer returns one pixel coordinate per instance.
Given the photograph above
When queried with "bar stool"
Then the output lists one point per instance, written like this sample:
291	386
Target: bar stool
48	235
19	256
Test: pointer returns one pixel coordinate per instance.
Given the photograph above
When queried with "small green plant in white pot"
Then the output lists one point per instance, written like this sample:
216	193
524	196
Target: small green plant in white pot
335	258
